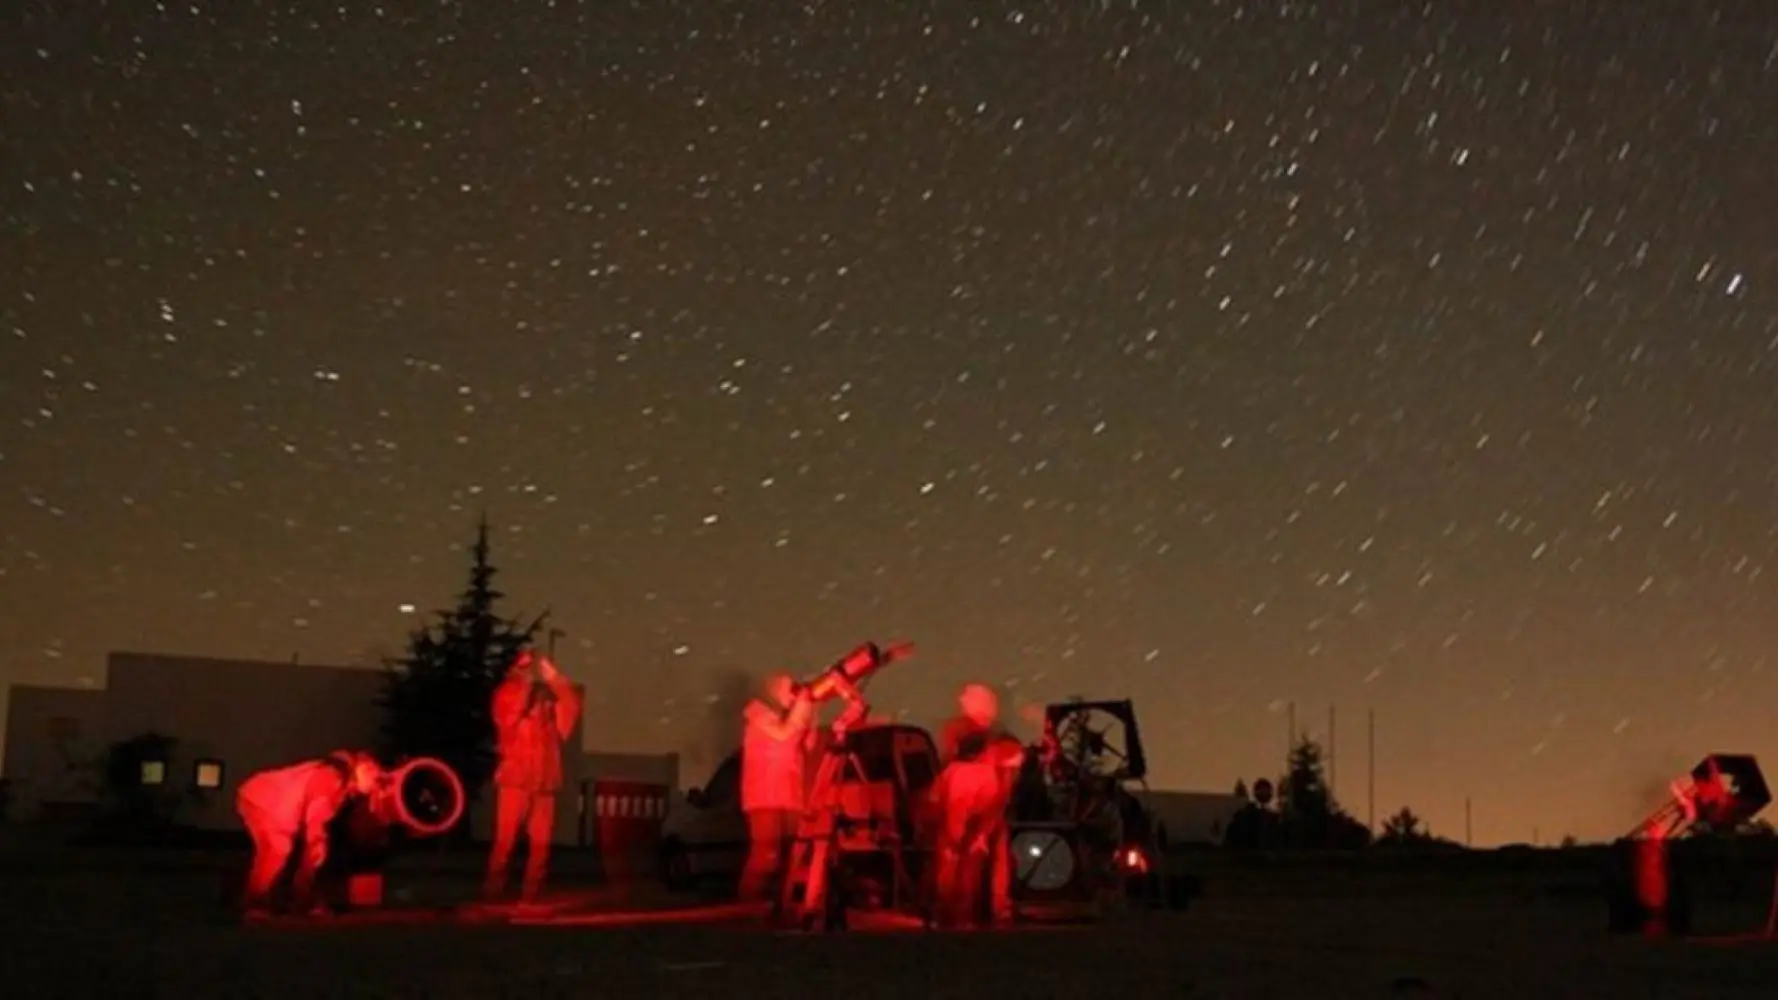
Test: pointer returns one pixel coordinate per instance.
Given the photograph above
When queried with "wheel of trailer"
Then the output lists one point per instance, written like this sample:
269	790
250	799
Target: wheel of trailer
675	864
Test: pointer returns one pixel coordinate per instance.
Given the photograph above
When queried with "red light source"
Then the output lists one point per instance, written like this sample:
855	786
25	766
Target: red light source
1134	860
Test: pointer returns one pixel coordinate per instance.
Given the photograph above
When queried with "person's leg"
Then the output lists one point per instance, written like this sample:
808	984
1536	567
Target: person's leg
1000	873
765	845
271	852
789	822
509	813
540	833
957	885
302	889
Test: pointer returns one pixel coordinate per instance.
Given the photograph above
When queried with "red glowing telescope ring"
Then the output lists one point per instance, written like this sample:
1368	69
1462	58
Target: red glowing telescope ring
440	772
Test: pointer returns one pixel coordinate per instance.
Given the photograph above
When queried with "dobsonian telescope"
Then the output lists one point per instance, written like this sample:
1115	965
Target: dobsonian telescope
1647	893
419	799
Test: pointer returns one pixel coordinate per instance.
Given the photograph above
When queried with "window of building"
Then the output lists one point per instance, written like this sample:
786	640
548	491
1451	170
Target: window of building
207	773
154	772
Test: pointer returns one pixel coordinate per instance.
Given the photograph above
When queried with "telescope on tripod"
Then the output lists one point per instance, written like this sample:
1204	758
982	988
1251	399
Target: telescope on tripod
857	837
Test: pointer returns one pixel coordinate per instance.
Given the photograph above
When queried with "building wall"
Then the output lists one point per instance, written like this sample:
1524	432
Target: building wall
1194	817
55	740
651	768
246	715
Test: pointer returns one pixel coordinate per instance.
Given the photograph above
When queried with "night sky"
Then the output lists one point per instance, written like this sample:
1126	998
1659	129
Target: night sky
1419	356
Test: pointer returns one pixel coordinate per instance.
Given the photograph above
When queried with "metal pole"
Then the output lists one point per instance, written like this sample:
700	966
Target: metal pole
1290	736
1370	759
1333	757
1468	828
554	634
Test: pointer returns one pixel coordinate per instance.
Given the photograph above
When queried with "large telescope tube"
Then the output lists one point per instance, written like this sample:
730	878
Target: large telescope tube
421	798
425	796
851	671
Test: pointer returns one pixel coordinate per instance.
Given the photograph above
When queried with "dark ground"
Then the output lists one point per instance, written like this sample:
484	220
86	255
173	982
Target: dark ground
135	927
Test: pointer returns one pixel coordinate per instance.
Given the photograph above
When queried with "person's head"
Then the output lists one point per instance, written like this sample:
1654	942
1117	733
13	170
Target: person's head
979	704
781	689
365	774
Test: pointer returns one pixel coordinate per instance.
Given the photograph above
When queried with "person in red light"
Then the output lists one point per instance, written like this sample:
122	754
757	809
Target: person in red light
981	763
774	746
283	805
534	709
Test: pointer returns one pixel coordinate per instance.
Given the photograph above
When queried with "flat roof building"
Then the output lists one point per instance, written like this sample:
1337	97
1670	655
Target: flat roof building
229	718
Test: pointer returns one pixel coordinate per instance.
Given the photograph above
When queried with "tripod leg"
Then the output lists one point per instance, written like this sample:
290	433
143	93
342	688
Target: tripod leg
815	889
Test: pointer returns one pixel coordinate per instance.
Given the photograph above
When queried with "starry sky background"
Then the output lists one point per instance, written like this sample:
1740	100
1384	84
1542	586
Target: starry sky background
1417	357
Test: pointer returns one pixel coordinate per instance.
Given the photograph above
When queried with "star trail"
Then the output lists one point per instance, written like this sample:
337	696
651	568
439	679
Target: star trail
1417	357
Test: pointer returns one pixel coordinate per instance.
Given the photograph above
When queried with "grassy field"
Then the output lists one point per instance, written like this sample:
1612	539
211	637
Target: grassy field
123	926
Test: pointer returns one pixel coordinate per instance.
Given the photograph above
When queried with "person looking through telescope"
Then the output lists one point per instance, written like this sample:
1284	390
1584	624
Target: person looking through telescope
534	711
280	806
774	747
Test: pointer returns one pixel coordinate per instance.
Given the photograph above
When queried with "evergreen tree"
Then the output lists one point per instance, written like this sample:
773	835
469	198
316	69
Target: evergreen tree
1405	827
1311	817
1302	792
436	697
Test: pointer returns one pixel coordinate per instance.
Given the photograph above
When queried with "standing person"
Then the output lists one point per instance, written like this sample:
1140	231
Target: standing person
774	746
534	710
981	765
283	805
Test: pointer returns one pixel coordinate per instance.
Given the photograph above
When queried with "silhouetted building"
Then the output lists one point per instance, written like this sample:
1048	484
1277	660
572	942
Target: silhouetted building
230	718
1193	817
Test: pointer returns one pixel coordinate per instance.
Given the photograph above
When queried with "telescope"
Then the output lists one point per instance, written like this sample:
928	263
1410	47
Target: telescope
423	797
1722	792
850	673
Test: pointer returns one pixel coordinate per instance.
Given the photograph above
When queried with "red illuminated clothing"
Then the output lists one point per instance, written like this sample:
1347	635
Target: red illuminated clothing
531	721
973	792
285	804
963	738
773	750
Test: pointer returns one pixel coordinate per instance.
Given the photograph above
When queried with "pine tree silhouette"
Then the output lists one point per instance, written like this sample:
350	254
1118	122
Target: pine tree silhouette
436	698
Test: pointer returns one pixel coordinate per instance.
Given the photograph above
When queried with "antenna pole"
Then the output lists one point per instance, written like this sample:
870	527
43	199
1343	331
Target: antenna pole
1370	759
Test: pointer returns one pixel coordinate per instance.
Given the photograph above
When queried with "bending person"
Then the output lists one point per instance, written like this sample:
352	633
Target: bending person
285	805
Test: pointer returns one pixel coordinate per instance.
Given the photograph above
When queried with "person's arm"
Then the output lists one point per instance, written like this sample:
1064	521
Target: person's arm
510	703
802	713
568	704
325	794
791	726
947	742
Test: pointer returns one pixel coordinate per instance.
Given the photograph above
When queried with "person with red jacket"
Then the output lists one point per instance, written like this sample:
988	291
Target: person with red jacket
981	765
282	805
777	735
534	711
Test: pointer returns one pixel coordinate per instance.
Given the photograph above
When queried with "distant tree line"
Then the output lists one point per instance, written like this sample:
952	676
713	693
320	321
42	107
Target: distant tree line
1299	812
